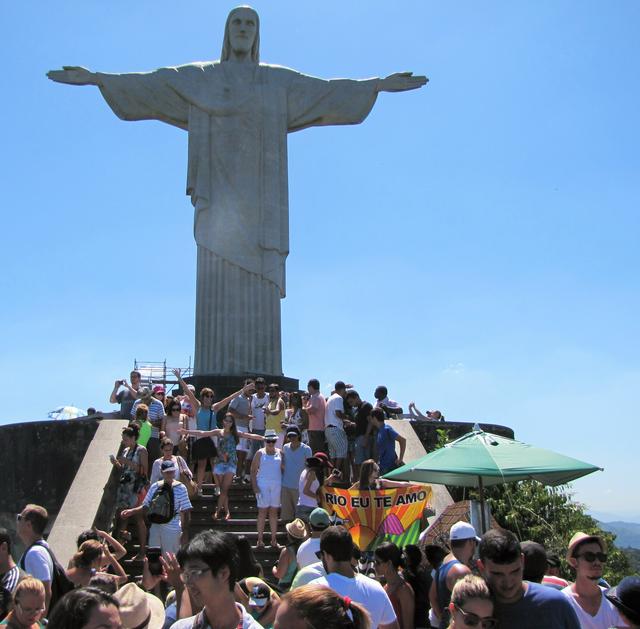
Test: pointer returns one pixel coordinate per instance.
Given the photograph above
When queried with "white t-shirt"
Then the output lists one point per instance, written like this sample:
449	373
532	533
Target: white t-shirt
257	410
308	574
606	617
247	621
361	589
334	403
37	562
306	554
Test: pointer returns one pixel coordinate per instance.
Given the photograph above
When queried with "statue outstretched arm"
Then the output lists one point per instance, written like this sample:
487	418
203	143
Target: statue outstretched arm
135	96
74	75
401	82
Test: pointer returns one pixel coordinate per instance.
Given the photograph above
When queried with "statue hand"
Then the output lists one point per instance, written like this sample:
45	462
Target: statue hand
73	75
401	82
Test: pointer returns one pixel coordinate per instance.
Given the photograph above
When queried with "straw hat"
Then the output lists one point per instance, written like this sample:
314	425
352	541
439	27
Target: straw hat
580	537
139	608
297	529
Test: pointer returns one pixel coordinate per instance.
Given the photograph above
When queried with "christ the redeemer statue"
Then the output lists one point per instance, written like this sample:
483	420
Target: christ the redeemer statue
238	112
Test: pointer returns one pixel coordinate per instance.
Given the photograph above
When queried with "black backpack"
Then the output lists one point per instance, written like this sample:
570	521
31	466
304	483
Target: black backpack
162	507
60	583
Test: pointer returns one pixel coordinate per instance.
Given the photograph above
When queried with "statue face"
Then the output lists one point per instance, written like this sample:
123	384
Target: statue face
242	30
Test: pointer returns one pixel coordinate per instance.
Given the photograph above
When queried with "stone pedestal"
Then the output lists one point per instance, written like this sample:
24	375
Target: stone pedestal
225	385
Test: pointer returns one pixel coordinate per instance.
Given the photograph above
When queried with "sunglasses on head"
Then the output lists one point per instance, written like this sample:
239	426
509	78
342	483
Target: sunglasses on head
587	555
473	620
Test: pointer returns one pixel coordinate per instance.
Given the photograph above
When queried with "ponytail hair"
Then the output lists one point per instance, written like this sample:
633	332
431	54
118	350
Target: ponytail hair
320	606
88	552
388	551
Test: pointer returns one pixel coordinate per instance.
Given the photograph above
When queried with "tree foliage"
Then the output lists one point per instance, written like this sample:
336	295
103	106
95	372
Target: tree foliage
549	516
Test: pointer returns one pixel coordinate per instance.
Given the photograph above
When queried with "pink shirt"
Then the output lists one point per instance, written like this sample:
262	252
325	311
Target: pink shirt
316	412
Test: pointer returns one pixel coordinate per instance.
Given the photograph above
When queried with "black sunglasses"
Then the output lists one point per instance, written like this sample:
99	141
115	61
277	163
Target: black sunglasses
473	620
587	555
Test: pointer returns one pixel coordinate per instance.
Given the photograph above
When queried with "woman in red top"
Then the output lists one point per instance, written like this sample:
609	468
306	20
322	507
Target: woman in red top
388	560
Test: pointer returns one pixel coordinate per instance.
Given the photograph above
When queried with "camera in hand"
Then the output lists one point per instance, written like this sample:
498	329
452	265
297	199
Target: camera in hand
153	557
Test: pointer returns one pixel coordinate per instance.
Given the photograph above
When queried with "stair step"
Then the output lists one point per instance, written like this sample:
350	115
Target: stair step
233	521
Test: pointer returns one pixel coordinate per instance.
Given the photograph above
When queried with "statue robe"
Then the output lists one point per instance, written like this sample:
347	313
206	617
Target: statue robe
238	116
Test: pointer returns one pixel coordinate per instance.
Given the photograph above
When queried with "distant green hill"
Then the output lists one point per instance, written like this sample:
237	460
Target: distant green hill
627	533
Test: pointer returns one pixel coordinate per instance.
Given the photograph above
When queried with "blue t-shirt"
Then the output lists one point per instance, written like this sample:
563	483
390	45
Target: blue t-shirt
294	464
386	447
541	606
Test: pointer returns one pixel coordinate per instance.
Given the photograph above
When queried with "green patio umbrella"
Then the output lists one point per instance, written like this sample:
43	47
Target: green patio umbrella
480	458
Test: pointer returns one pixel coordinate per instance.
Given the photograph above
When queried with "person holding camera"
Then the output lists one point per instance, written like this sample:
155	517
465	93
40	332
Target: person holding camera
133	465
126	394
311	482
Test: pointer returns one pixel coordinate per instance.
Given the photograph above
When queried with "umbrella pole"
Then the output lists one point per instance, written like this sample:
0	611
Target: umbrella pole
483	520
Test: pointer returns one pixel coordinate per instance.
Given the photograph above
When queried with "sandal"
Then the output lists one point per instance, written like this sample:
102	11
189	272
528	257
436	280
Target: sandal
260	545
227	516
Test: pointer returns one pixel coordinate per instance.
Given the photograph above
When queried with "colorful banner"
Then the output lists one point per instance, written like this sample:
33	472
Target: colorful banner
382	515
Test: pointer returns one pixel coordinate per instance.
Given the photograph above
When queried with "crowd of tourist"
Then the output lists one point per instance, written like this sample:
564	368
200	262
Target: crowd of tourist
214	581
284	448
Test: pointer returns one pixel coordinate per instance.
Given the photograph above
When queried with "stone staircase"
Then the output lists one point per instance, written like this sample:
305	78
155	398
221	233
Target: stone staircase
243	521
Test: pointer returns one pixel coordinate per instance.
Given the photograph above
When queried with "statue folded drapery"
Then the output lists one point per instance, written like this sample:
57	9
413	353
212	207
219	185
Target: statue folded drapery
238	117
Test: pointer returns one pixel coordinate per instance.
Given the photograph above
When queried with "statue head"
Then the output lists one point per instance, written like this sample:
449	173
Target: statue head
242	34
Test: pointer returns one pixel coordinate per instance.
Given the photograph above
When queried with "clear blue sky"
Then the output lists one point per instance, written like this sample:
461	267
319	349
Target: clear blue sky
473	245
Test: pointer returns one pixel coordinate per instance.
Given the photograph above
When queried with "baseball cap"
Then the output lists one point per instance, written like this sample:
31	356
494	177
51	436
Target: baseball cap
168	466
319	518
339	385
158	388
323	458
626	597
462	530
580	537
260	595
535	561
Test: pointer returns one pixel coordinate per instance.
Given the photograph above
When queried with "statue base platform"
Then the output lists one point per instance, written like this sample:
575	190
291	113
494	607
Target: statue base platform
225	385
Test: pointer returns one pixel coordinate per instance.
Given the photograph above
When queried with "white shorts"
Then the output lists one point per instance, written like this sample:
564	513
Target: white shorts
244	445
269	495
166	537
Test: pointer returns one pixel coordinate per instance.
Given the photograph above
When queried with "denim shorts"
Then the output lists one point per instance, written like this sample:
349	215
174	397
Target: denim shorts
362	450
224	468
